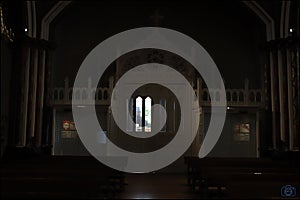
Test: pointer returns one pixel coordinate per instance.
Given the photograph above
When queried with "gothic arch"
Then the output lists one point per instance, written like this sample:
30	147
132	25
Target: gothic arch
253	5
264	16
50	16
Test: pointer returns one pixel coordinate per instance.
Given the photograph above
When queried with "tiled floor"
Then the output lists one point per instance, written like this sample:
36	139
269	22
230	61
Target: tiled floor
156	185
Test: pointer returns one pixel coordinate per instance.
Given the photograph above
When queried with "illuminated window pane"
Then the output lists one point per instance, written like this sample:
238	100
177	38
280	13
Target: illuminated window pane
148	114
138	114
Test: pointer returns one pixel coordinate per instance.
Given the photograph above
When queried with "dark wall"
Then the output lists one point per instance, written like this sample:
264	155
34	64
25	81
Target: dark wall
229	31
74	146
232	142
6	69
11	67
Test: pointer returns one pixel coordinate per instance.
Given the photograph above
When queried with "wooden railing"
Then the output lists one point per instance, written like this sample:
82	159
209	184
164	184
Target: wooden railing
235	97
84	95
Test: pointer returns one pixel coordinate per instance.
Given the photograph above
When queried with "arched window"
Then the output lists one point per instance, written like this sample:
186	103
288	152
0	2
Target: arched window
139	114
139	110
147	113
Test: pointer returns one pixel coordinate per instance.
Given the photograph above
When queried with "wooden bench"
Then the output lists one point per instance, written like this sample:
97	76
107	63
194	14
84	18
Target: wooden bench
240	177
59	177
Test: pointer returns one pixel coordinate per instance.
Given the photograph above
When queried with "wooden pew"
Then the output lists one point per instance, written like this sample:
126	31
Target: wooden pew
236	177
59	177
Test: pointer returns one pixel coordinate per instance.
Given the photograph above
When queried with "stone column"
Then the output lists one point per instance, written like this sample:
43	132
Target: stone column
24	84
32	91
32	94
290	98
273	100
282	94
40	96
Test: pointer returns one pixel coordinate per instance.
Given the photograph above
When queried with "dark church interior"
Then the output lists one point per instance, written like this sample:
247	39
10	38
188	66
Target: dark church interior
44	153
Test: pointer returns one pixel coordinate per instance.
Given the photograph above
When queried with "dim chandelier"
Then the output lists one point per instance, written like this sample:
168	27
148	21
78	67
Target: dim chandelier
5	31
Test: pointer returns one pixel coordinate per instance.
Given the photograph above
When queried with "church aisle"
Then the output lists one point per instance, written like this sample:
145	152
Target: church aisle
156	186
